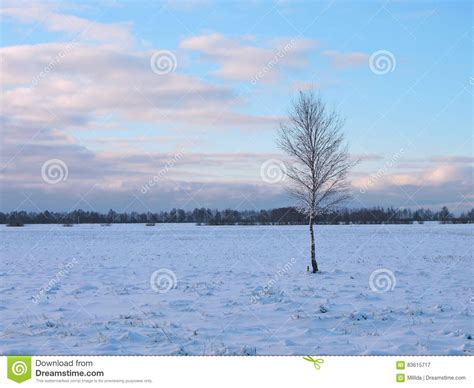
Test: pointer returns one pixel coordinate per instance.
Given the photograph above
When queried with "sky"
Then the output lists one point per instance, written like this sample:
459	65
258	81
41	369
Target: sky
148	106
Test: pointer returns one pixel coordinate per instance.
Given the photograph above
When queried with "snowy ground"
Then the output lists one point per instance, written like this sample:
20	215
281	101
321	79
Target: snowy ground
239	290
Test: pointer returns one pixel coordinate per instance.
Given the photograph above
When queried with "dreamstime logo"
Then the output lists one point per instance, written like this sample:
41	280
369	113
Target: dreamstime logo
163	62
163	280
382	62
382	280
19	368
273	171
54	171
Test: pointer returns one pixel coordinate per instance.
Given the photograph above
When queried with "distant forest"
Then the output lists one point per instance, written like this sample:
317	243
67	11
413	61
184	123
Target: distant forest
280	216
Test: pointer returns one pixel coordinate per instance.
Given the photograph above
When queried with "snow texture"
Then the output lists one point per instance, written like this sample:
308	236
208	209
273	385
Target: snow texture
239	290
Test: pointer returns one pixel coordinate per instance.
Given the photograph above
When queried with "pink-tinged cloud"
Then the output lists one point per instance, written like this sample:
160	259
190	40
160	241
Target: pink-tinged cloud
54	93
239	59
426	175
47	14
68	85
305	86
345	60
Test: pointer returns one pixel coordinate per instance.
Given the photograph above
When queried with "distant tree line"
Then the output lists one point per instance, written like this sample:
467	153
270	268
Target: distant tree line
280	216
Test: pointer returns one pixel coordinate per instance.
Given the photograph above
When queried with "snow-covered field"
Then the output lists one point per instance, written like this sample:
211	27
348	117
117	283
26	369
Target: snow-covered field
238	290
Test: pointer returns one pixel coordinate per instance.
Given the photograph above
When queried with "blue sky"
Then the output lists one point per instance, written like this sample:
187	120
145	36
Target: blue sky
78	86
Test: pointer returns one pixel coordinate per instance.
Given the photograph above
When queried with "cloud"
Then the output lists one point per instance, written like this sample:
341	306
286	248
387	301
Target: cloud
210	179
452	159
76	27
50	91
345	60
425	175
430	182
185	178
176	194
60	85
62	100
448	174
366	157
305	86
239	59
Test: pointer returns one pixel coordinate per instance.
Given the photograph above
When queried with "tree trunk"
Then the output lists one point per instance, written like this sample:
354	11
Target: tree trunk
314	264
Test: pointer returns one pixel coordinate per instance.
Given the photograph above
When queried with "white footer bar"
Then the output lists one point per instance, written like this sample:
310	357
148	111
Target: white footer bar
226	371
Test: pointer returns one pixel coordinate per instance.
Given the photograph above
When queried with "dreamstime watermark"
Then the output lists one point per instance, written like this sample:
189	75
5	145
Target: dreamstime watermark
382	62
19	368
54	281
161	173
280	54
382	171
54	171
163	62
271	283
382	280
273	171
163	280
52	64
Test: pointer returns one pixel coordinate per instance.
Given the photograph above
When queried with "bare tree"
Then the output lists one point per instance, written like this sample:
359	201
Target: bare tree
312	138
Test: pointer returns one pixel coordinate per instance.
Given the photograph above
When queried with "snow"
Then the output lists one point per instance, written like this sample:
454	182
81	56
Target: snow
240	290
